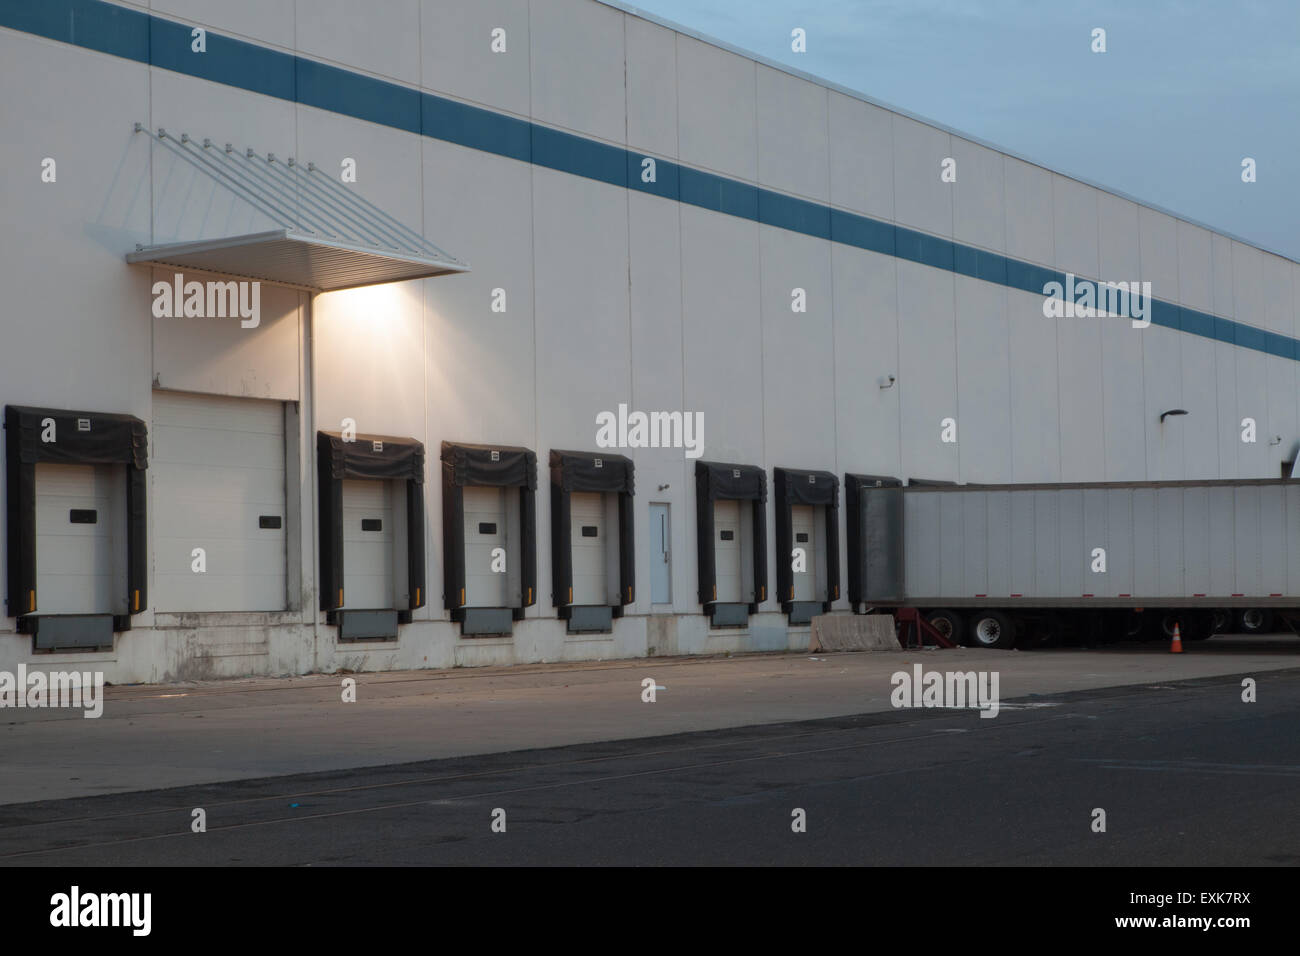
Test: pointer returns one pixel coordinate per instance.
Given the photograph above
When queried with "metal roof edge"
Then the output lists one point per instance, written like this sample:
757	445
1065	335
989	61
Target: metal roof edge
880	104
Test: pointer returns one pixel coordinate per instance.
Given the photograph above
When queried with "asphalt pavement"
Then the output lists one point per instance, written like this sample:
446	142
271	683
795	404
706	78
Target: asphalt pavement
1186	772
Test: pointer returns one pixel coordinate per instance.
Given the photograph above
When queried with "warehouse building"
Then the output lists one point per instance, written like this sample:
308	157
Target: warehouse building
427	333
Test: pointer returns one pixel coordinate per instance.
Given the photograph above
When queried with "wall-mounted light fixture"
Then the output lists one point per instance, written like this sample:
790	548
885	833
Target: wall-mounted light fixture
663	487
888	382
1172	411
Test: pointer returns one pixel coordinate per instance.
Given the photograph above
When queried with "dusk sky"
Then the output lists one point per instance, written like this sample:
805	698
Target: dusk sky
1185	91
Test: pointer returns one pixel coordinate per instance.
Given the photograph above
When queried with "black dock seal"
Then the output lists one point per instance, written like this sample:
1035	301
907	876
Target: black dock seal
792	486
380	457
594	472
720	481
486	466
81	438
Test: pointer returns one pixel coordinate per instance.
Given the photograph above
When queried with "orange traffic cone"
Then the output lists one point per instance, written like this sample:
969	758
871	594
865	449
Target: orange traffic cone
1176	647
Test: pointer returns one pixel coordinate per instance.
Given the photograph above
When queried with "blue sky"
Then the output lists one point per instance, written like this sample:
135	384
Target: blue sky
1183	93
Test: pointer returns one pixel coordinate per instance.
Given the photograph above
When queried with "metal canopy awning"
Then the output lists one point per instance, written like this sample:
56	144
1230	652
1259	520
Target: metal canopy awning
327	237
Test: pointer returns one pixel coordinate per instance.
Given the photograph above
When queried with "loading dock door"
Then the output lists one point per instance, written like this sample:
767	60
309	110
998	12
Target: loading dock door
77	538
218	484
368	543
803	525
588	537
485	531
726	549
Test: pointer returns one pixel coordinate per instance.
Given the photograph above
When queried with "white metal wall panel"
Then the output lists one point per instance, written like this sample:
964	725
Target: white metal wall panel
1162	377
717	109
271	21
1272	540
1201	438
367	554
1095	533
651	103
974	543
1119	550
1022	545
927	378
922	544
1197	542
76	563
1074	220
1146	550
921	200
999	544
216	466
952	556
1047	547
577	67
791	401
1073	551
1035	450
1028	197
1293	538
1195	269
803	527
1169	541
722	322
865	355
1079	383
726	549
793	152
983	381
485	530
1246	563
1223	536
453	65
587	510
977	205
381	38
862	156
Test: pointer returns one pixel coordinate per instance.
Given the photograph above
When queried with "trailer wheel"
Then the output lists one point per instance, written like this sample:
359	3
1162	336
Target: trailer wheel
949	624
1254	620
992	629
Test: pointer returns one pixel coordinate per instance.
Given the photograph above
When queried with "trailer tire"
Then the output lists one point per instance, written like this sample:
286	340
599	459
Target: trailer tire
1254	620
949	624
992	629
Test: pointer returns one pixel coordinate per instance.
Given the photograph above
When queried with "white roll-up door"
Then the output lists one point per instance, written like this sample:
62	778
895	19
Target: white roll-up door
726	549
485	531
803	528
79	545
587	537
217	471
367	544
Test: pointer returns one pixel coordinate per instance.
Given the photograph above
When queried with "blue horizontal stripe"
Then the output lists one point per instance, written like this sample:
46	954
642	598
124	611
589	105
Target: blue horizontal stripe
135	35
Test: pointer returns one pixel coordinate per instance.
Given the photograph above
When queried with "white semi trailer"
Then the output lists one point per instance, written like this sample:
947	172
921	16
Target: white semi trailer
1005	565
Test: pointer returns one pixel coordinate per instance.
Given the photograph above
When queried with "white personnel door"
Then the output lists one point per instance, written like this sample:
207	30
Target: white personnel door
587	539
367	544
726	549
804	533
77	538
217	467
485	531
